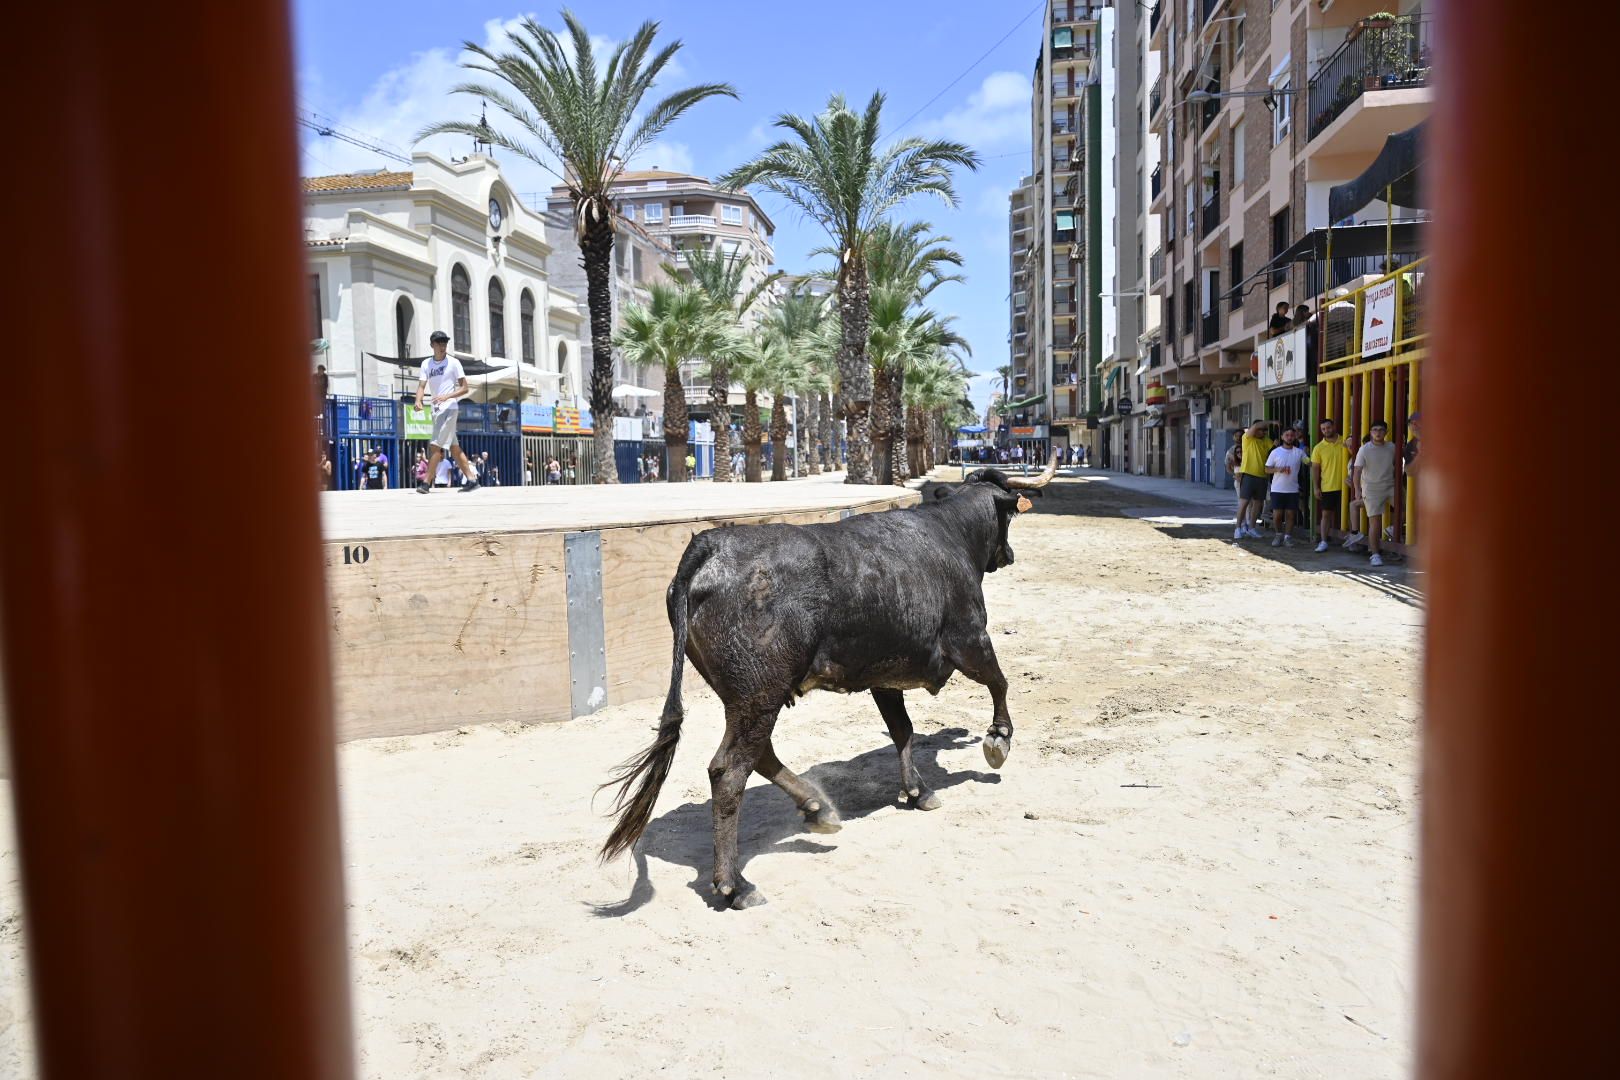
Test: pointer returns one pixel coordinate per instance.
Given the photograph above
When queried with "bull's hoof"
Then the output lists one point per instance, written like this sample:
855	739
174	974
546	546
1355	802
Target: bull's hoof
996	749
746	897
822	817
923	800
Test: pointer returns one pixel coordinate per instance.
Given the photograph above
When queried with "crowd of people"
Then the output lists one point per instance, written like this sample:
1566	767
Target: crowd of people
1270	470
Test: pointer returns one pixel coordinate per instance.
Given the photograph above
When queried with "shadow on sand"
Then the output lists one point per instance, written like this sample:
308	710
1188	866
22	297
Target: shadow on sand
771	823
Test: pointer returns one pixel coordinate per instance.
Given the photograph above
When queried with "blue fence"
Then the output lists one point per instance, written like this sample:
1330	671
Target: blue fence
354	425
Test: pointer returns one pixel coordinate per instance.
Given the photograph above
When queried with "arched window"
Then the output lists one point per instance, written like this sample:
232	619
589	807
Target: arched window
562	367
404	320
526	325
497	318
461	309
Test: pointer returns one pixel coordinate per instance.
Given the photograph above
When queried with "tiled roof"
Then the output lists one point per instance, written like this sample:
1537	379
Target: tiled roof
655	174
377	181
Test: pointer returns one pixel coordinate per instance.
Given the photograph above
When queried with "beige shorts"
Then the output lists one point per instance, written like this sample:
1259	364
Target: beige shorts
444	429
1377	500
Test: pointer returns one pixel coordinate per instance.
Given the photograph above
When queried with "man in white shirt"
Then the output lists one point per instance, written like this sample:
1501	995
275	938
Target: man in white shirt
1284	465
446	382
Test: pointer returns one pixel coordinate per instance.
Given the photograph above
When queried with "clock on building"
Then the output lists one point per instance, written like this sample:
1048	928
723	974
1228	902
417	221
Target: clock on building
495	214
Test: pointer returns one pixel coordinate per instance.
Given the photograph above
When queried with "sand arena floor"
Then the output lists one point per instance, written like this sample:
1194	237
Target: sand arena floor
1199	860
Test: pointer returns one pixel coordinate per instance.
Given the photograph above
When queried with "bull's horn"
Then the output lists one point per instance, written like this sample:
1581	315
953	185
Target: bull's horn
1039	481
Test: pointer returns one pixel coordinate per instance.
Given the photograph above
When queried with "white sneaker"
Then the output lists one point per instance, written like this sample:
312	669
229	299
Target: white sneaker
1321	545
1288	540
1376	560
1276	541
1238	533
1352	540
1254	533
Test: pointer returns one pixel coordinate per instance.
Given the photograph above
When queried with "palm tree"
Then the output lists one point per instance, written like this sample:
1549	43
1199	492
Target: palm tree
754	364
833	170
590	121
887	342
721	278
678	323
910	256
796	323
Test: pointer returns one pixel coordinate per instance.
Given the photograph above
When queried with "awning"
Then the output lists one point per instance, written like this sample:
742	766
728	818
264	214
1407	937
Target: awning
1396	171
1113	377
1349	242
626	390
470	364
1142	368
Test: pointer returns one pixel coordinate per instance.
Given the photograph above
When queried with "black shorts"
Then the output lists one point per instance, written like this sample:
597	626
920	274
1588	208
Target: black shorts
1329	502
1285	500
1251	487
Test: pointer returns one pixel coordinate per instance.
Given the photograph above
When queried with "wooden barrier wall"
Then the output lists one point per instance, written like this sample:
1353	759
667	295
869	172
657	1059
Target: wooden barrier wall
439	632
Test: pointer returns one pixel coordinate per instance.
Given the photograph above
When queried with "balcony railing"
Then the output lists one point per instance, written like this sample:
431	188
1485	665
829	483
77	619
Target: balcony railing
1211	327
1065	89
1157	181
1074	12
1378	57
1156	265
1156	98
691	222
1077	51
1209	217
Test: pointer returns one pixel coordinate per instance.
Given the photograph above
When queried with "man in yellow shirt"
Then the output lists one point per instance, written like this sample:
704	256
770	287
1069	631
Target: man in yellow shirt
1330	464
1252	480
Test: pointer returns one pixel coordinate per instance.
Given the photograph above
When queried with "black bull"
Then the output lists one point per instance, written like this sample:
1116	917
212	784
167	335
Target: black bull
766	613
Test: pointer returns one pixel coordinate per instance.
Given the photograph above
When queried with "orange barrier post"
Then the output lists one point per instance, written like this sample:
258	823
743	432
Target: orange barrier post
1517	932
164	624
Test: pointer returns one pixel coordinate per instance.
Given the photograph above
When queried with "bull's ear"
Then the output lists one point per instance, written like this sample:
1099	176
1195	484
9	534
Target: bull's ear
941	492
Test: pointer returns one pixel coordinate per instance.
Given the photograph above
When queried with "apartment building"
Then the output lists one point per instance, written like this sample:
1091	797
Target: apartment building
1076	268
1262	106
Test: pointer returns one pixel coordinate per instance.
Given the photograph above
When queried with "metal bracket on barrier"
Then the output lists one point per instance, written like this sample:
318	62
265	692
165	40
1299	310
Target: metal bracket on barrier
843	515
587	641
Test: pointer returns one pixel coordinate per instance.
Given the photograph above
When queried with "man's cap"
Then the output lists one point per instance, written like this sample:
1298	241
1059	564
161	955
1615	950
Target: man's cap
438	336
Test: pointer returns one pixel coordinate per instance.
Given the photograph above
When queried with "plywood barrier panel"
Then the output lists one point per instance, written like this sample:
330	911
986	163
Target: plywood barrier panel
431	633
637	566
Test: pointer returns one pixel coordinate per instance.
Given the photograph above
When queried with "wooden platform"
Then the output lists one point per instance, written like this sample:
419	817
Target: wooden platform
525	604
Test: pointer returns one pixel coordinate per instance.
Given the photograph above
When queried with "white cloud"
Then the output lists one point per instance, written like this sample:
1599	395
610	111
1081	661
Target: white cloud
996	114
417	93
664	154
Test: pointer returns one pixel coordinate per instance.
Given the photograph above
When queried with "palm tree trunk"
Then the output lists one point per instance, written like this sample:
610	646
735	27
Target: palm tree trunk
779	434
720	420
810	452
828	431
881	427
675	425
596	252
752	436
915	455
854	372
897	431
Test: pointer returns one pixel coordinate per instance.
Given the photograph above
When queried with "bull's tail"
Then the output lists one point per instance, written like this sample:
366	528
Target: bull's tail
639	779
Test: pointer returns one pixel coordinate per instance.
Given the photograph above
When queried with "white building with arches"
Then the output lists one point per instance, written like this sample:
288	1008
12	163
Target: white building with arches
395	255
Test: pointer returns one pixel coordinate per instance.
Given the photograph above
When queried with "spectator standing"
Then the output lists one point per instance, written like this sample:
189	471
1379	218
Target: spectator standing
1329	463
373	473
1284	464
553	472
1375	481
1251	477
1411	450
482	467
1280	321
691	467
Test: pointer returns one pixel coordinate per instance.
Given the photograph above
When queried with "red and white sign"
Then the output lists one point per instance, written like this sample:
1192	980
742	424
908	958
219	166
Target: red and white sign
1378	318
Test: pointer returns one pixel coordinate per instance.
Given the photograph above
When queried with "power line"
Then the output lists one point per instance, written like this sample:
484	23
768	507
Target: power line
970	67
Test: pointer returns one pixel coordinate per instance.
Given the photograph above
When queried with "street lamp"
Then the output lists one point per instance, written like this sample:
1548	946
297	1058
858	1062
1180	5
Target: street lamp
1198	97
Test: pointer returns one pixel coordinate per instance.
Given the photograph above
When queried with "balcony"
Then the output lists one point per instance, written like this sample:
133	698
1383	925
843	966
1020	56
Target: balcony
1210	331
1209	216
1156	183
1156	98
1070	13
1379	67
1065	89
691	223
1156	265
1080	51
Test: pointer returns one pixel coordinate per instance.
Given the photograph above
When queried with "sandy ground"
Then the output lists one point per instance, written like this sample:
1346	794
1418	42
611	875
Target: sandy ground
1197	862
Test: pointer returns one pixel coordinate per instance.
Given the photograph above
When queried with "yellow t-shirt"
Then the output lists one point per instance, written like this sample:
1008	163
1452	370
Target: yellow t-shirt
1334	459
1255	452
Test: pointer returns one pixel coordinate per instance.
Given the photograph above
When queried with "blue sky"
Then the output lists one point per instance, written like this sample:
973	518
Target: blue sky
385	69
